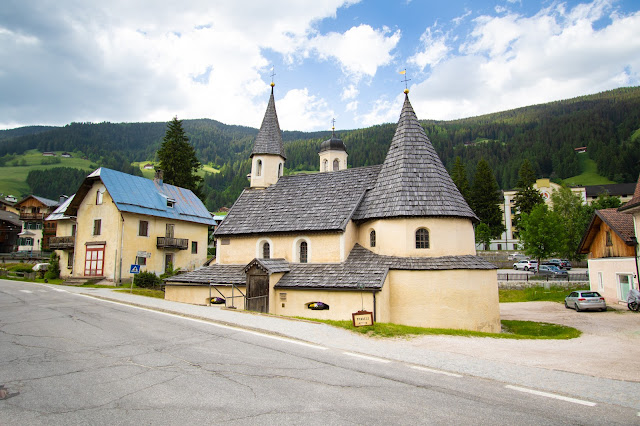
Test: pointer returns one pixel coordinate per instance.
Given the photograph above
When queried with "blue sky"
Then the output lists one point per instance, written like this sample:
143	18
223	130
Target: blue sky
130	61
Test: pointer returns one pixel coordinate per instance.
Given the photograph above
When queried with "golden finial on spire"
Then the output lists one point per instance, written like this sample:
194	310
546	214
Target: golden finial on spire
406	88
273	72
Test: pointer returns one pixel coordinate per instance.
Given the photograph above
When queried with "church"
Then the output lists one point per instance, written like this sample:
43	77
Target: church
395	239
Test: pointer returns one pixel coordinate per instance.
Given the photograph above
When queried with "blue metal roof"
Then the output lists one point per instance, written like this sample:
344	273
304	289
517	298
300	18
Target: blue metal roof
139	195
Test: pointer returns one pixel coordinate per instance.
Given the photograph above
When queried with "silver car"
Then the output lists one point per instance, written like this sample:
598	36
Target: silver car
583	300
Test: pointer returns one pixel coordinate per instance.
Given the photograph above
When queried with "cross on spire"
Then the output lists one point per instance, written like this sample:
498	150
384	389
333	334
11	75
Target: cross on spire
333	127
406	87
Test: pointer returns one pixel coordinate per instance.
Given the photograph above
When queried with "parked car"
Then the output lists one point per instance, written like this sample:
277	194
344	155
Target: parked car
552	270
526	265
560	263
515	256
583	300
40	267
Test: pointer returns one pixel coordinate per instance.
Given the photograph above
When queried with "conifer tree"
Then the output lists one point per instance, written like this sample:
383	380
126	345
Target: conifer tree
459	176
486	199
527	197
178	158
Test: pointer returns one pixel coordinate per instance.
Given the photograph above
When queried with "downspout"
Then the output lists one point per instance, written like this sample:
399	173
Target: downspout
374	305
121	248
634	240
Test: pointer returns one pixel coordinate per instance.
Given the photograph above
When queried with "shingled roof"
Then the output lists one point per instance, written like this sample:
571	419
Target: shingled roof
304	202
633	202
269	139
413	181
620	223
362	269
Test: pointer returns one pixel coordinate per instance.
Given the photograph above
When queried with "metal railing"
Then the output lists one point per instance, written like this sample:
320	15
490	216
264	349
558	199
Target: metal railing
179	243
32	216
523	276
60	243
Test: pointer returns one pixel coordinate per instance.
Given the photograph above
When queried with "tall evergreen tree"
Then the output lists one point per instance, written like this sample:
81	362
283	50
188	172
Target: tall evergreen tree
459	176
527	197
486	199
178	158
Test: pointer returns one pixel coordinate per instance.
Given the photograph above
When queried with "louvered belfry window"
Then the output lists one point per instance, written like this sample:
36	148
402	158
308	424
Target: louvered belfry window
266	251
372	238
422	239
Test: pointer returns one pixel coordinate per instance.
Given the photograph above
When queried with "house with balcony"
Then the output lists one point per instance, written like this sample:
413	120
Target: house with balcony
33	210
122	220
64	240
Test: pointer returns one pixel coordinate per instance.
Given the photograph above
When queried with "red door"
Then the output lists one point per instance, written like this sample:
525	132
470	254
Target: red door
94	261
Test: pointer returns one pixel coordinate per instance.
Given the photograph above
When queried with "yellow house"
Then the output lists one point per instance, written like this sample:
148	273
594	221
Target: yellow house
123	220
395	239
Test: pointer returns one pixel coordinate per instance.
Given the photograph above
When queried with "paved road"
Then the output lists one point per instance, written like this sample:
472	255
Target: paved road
71	359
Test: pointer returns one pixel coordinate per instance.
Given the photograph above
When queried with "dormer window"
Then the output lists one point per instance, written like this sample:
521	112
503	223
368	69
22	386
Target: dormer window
170	202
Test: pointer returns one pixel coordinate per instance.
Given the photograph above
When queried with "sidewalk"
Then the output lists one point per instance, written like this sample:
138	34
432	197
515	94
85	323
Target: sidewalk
495	362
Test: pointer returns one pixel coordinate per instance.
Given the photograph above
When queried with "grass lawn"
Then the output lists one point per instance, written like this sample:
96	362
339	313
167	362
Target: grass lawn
13	179
510	330
537	294
589	175
143	292
149	174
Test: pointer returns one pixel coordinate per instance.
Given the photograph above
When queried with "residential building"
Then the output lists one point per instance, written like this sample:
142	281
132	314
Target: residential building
124	220
10	227
395	239
33	210
64	240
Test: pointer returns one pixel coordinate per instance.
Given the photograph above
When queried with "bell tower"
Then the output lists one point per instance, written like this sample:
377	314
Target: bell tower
333	153
267	157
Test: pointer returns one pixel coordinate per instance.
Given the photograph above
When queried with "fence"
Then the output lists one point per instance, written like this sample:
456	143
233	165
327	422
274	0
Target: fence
522	276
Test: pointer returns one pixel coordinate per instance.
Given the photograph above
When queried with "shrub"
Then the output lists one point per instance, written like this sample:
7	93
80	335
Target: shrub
53	271
21	267
147	280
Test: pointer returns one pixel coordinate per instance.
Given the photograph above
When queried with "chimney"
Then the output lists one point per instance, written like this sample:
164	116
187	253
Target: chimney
63	198
158	177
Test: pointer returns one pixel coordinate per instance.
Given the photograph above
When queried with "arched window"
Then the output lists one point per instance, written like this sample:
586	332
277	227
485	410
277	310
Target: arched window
280	170
303	252
266	251
259	168
372	238
422	239
325	165
336	164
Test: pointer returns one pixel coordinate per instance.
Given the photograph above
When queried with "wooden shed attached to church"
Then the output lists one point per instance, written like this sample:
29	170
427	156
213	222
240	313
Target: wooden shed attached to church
396	239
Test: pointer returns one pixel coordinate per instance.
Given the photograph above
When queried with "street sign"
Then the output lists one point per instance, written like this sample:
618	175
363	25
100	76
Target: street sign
362	318
145	254
135	269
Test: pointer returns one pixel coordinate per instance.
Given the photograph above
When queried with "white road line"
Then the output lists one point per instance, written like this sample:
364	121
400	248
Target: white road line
228	327
431	370
26	291
59	289
370	358
551	395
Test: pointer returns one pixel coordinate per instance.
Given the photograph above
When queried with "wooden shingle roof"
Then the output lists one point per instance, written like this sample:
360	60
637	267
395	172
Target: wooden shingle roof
322	202
269	139
413	181
620	223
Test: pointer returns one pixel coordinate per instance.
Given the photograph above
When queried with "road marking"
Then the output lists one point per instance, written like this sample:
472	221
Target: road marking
59	289
228	327
26	291
370	358
551	395
431	370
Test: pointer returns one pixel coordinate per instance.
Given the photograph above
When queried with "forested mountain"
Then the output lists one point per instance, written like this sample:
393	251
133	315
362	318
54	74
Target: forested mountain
608	124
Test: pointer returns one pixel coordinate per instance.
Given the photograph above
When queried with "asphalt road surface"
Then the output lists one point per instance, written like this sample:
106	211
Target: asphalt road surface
71	359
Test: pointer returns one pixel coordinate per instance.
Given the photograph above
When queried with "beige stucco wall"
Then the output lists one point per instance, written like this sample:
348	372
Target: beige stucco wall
609	269
341	303
330	156
396	237
459	299
64	229
269	174
199	294
113	224
322	248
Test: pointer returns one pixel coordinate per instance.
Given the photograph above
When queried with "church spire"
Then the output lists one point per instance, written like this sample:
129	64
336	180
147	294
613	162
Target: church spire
267	156
413	181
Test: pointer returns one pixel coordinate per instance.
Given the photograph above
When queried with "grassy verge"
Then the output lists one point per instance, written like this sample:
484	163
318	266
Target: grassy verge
510	330
144	292
537	294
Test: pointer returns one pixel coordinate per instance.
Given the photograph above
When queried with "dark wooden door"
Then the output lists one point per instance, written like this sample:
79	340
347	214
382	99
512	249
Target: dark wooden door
258	293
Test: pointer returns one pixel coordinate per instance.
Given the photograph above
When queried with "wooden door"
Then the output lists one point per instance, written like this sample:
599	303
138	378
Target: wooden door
258	292
94	261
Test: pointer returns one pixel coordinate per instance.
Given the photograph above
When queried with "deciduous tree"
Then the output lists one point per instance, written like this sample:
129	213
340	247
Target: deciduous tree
541	232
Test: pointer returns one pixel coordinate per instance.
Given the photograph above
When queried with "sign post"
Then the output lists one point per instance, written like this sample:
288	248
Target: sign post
135	269
362	318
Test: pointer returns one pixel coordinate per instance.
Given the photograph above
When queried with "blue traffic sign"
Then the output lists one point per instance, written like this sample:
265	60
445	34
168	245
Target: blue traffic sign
135	269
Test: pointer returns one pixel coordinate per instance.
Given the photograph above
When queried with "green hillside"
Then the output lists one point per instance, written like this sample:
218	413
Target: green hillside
589	175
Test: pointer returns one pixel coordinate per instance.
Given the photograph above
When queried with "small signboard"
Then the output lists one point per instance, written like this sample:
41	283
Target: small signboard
135	269
362	318
144	254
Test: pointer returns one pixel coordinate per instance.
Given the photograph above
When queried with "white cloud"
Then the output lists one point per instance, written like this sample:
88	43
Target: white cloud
360	50
512	60
382	111
299	110
434	49
349	92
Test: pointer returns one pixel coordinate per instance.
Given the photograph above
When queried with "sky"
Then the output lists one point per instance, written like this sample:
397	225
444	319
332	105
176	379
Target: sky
69	61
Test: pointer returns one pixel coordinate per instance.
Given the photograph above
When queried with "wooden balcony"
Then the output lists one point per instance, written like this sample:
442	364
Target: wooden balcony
174	243
61	243
33	216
